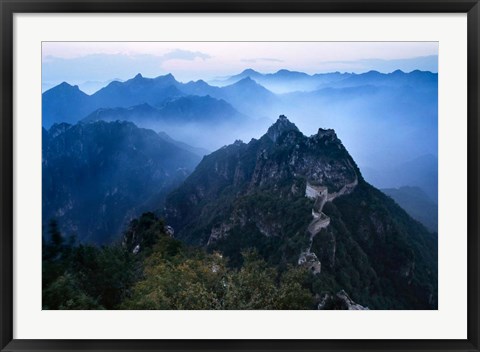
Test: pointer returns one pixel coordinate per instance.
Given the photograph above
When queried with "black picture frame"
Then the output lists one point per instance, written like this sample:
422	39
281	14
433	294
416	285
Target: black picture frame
10	7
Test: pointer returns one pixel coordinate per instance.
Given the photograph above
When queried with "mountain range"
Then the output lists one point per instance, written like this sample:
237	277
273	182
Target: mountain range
286	81
281	197
367	109
189	118
98	176
66	103
303	201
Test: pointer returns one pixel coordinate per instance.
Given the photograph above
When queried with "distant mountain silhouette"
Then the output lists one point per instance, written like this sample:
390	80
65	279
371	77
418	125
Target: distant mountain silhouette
193	119
66	103
417	204
138	90
417	79
244	74
285	81
186	109
246	95
249	97
392	110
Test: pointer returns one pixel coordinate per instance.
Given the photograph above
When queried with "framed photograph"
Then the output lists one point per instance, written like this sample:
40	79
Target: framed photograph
237	175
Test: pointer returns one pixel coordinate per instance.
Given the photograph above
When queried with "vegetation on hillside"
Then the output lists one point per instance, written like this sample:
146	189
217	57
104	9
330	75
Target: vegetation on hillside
165	274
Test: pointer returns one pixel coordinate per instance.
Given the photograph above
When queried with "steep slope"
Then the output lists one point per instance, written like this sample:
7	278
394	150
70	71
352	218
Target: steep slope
238	77
417	204
246	95
193	119
302	201
397	111
64	103
136	114
249	97
97	176
285	81
183	110
138	90
197	151
283	157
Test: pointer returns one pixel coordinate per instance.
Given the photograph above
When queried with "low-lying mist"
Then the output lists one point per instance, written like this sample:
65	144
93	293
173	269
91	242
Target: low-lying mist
211	138
384	120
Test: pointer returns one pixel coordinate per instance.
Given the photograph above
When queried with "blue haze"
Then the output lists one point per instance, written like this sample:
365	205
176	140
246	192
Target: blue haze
386	121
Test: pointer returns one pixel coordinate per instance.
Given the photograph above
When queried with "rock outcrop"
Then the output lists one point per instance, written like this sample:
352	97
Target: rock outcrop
340	301
301	200
98	176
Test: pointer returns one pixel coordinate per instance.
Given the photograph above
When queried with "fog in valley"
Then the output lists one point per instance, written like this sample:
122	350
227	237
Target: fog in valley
386	121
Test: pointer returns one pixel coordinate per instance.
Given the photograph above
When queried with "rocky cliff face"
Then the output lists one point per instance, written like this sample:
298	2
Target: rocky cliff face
98	176
282	160
340	301
302	201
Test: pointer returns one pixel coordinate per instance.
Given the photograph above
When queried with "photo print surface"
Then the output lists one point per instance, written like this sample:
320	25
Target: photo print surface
240	175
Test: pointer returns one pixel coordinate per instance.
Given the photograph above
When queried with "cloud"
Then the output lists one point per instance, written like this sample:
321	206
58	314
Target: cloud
261	59
180	54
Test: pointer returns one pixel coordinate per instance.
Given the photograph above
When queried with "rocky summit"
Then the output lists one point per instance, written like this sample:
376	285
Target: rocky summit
282	125
302	201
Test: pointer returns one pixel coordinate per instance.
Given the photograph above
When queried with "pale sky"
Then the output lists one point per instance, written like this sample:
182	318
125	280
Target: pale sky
77	62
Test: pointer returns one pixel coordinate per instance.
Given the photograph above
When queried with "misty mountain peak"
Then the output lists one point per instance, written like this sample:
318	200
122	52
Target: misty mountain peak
246	80
200	82
372	73
65	87
249	71
168	78
284	72
135	81
290	74
281	126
